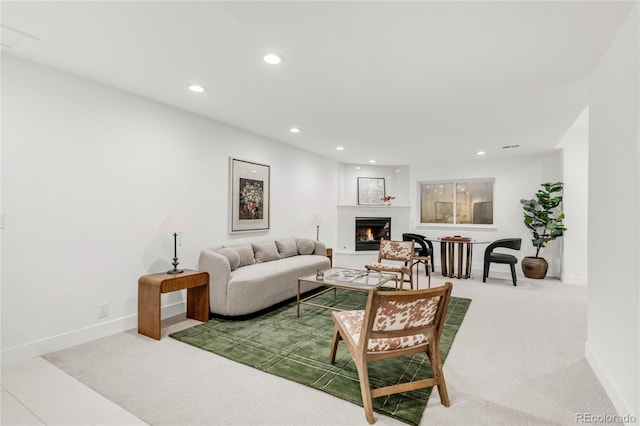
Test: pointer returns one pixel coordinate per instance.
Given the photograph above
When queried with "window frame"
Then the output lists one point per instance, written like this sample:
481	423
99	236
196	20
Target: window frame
454	184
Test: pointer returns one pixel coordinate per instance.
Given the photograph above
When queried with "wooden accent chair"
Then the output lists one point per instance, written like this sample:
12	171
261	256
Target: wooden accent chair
493	257
394	323
395	257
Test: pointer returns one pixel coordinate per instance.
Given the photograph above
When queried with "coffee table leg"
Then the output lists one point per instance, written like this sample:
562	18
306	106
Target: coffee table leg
298	300
443	258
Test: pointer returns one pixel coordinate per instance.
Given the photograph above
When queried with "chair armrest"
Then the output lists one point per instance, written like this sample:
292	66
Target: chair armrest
430	244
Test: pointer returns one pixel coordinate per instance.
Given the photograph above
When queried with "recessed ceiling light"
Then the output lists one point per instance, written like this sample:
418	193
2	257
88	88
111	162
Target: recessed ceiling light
397	170
295	130
272	59
480	153
357	167
372	161
340	148
197	88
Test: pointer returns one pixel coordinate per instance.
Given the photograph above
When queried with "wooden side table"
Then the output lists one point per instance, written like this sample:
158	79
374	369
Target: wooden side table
151	286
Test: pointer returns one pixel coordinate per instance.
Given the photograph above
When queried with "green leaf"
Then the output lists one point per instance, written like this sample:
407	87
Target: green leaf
542	215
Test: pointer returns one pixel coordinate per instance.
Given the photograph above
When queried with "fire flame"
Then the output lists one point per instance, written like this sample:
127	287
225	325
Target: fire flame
369	234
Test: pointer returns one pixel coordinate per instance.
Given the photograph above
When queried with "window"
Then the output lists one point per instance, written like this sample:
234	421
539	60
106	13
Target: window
468	201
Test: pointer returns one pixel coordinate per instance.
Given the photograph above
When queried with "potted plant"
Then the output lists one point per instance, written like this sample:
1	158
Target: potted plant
543	216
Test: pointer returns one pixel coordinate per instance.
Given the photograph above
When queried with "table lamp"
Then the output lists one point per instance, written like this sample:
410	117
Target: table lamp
174	224
317	221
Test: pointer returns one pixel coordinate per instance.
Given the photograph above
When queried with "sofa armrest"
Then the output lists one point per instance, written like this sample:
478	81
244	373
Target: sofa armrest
219	271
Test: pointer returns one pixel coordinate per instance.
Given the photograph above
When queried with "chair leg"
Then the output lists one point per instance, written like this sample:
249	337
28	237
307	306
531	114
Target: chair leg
485	272
513	273
433	352
334	345
365	390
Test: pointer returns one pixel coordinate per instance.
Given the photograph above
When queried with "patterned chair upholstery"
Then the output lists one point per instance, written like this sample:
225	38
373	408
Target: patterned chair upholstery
393	324
395	257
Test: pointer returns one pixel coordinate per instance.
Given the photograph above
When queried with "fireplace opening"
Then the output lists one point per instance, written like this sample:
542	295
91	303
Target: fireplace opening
369	232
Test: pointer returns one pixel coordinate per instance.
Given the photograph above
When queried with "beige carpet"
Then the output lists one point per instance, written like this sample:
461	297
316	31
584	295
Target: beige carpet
518	359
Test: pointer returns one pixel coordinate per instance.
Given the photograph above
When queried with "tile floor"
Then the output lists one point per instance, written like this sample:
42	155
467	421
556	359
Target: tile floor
38	393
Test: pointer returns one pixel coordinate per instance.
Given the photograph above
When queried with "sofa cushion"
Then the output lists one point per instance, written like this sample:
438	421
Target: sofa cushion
266	251
246	254
287	248
305	246
232	256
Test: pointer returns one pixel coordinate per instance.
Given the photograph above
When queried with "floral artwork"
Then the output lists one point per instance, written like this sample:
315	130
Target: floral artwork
251	199
249	195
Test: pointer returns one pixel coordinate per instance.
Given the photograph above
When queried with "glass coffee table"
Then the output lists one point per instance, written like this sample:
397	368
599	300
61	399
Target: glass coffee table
349	279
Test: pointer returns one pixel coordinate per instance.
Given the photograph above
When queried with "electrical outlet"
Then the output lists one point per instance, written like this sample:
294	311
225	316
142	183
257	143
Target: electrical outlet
103	310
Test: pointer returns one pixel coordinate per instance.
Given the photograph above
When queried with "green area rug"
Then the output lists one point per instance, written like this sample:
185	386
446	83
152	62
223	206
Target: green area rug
298	349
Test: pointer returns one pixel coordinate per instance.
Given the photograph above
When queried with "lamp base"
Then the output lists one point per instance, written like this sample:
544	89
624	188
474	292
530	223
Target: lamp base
175	271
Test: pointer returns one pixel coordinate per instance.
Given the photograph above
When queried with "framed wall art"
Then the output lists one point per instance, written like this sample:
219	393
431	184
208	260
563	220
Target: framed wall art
249	189
370	190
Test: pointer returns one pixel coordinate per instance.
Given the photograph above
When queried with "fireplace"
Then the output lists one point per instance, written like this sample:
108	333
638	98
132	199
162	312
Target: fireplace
369	232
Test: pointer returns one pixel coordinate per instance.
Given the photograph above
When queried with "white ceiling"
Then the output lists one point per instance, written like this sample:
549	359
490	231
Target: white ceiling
398	82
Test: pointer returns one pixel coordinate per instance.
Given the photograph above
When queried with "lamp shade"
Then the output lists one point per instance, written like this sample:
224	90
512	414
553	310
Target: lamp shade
173	224
317	221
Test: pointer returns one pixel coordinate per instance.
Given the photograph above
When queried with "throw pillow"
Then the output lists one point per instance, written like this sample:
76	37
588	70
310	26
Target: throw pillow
231	255
287	248
305	246
246	255
266	251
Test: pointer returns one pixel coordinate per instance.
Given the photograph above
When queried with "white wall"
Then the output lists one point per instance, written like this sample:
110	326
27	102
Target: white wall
88	175
575	161
396	182
515	178
613	335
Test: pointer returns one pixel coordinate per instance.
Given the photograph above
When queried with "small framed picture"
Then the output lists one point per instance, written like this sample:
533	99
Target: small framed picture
370	190
249	189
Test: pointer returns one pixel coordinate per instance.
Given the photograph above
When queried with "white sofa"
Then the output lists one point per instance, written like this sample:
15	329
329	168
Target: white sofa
249	277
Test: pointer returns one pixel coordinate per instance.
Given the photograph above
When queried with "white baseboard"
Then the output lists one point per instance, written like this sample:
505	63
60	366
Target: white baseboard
18	354
622	406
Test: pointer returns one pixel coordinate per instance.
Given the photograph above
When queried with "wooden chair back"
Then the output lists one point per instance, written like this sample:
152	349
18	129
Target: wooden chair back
397	314
401	251
394	324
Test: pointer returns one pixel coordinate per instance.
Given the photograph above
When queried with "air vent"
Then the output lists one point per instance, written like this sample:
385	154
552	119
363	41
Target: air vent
510	146
14	39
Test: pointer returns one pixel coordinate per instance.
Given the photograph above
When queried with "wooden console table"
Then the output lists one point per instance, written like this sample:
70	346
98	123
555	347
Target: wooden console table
151	286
